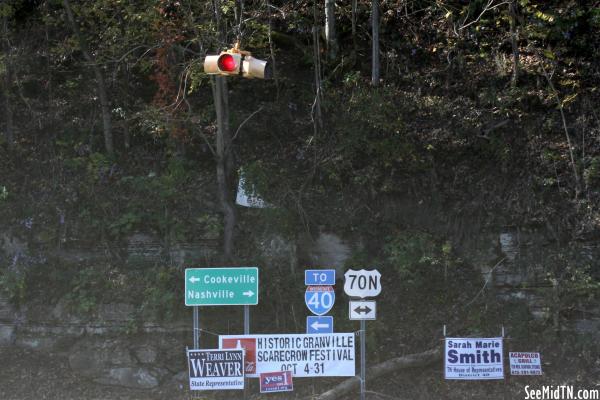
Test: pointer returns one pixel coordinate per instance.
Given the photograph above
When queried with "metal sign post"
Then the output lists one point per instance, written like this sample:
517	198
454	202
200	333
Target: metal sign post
246	332
362	284
363	360
196	328
246	320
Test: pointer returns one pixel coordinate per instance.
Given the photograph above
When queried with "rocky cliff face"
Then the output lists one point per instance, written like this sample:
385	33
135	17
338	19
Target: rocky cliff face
114	346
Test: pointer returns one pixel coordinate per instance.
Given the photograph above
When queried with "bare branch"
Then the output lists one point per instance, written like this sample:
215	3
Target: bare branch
278	9
486	283
489	6
141	46
244	122
560	106
405	362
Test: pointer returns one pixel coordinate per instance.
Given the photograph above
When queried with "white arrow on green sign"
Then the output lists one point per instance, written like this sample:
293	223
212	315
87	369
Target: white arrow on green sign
221	286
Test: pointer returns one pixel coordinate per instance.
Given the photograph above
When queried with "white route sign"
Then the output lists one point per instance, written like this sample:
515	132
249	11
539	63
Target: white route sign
305	355
362	283
363	310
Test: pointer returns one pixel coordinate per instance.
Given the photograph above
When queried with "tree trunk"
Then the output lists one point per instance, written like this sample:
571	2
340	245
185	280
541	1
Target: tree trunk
330	37
126	135
316	113
375	69
8	113
514	39
51	117
101	86
272	50
9	123
381	369
224	154
354	41
224	164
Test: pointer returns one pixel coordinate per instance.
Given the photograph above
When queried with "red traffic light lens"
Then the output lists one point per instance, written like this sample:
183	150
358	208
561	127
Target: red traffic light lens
227	63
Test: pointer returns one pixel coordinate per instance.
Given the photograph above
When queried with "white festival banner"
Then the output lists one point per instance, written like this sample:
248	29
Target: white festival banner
305	355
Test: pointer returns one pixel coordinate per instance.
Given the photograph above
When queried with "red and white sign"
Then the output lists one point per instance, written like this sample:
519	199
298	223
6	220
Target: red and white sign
280	381
248	344
525	363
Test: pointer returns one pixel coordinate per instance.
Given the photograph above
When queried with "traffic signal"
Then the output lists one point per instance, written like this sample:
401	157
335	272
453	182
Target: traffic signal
235	62
223	64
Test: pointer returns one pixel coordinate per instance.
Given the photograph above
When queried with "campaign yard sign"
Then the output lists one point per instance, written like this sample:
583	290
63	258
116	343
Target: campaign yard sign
473	359
304	355
280	381
216	369
525	363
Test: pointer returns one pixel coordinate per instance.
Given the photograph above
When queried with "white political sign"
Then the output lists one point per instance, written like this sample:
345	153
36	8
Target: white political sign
305	355
525	363
216	369
473	358
362	283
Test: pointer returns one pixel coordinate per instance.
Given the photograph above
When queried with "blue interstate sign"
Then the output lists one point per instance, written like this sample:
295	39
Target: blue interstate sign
319	299
319	277
321	324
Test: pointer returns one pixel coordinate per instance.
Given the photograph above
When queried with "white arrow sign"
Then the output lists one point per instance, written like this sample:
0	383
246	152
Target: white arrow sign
319	324
193	279
362	283
249	293
363	310
316	325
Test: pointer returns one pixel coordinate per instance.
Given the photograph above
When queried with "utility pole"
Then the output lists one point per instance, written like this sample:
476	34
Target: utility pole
225	164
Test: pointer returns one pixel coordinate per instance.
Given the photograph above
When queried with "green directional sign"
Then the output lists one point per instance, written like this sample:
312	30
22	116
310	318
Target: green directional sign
221	286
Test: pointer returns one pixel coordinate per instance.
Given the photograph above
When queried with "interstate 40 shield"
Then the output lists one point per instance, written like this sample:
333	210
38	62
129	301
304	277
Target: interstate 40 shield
319	299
